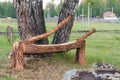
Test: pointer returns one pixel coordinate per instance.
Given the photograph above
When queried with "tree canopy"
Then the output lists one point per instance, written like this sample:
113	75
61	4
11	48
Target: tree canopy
98	7
7	9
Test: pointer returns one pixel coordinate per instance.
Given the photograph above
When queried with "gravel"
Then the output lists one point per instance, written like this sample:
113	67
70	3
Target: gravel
96	75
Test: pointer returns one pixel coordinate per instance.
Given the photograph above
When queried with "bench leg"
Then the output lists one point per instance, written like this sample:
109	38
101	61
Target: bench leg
77	55
17	57
82	59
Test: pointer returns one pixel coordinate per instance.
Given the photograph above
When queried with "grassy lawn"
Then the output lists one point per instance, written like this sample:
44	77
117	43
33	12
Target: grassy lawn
100	47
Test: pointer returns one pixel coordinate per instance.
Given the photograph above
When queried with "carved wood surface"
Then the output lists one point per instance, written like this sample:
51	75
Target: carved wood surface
33	48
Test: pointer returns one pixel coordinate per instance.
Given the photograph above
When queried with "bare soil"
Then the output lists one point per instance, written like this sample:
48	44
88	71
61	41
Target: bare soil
51	68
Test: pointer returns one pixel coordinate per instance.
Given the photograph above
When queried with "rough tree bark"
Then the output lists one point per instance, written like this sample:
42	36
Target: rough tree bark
62	35
30	19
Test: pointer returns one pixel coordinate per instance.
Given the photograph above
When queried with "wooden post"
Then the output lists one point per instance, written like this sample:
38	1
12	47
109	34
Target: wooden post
82	59
10	34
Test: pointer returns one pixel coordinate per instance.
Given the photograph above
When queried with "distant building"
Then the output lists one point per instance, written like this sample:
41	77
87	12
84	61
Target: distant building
110	16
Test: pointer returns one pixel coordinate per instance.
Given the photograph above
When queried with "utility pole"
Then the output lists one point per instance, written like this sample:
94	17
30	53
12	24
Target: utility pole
112	9
88	15
91	13
82	14
112	14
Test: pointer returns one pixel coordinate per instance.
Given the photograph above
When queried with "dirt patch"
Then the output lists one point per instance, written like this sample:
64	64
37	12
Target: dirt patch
52	68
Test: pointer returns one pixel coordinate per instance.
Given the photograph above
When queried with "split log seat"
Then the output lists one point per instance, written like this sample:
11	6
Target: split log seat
21	48
27	46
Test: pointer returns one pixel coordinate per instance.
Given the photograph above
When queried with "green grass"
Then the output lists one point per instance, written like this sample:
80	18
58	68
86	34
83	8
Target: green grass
5	48
104	48
100	47
84	26
3	26
6	77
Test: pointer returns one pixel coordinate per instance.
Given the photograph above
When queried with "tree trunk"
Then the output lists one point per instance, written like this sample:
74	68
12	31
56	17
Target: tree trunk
62	35
30	18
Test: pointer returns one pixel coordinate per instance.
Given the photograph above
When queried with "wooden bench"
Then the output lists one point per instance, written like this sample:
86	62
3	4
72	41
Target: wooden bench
28	47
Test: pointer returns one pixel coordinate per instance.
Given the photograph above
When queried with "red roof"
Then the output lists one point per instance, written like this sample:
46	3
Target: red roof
109	14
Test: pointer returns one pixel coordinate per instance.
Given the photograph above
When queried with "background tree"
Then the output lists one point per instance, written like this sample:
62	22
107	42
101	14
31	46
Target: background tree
117	8
50	10
114	5
11	10
59	7
1	10
110	4
46	13
7	9
79	9
97	8
62	35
